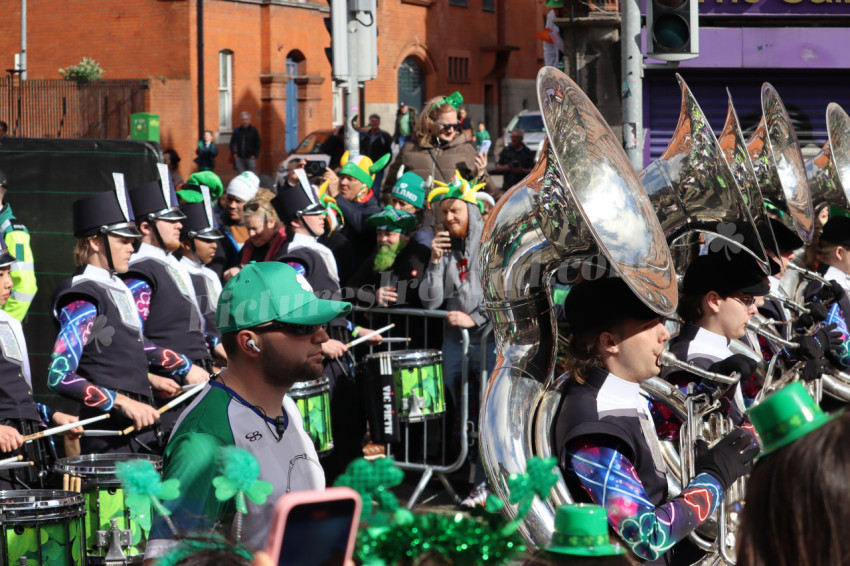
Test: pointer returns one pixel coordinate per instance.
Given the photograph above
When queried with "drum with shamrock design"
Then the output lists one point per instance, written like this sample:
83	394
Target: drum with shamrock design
418	381
43	526
105	502
313	399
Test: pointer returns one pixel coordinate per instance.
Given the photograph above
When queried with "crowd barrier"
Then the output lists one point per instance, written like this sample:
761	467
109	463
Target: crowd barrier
419	451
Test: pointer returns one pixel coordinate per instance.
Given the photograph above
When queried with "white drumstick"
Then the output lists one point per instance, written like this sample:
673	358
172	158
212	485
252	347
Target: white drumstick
64	428
16	465
173	403
11	460
370	335
88	432
394	339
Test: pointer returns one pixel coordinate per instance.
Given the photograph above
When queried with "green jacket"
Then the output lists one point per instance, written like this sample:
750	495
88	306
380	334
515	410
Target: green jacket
24	287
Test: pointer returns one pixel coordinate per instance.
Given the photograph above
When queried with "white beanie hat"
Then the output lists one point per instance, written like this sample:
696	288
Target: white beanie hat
244	186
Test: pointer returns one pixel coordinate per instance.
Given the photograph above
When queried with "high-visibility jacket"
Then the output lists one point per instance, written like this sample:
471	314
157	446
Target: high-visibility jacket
24	287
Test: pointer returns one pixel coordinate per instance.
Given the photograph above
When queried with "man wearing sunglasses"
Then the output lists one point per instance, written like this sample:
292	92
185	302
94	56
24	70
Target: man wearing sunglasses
271	324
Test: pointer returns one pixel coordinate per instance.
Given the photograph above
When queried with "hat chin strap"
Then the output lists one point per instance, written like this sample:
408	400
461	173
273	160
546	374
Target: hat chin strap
152	221
110	264
300	216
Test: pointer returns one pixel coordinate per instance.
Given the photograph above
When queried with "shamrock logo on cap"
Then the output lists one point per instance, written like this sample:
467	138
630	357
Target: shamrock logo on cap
303	282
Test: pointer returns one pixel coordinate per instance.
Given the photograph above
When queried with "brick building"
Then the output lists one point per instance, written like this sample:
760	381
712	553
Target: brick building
267	57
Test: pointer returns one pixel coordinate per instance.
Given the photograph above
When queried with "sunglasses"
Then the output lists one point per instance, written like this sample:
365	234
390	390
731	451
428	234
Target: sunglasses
746	300
296	329
455	126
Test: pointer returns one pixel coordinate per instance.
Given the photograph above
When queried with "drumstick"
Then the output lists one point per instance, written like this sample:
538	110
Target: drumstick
16	465
78	484
392	339
17	458
88	432
370	335
66	482
63	428
173	403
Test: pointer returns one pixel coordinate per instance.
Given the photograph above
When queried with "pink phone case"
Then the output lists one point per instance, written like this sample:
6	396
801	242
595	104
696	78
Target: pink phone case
289	501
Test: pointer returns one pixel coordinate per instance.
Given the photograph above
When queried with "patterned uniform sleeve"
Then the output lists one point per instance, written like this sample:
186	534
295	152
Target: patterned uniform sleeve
612	481
841	353
76	320
163	361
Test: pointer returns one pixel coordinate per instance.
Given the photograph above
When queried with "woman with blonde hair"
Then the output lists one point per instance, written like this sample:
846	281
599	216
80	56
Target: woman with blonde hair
266	233
438	147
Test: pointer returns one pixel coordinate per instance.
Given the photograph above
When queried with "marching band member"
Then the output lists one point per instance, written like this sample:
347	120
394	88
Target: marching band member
20	415
101	357
605	440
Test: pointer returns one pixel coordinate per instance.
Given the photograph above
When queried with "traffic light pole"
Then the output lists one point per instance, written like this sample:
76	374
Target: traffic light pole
352	95
632	82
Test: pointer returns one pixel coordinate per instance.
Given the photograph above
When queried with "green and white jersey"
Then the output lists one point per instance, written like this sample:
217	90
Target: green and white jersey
219	417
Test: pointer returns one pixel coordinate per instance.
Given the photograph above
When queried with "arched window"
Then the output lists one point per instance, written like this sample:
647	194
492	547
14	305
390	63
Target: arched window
411	83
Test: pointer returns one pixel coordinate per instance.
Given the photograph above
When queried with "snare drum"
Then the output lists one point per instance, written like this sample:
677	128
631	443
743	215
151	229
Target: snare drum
313	399
418	379
104	499
44	526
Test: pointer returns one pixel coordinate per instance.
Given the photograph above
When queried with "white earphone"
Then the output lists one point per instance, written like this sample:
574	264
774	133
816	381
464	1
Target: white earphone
253	345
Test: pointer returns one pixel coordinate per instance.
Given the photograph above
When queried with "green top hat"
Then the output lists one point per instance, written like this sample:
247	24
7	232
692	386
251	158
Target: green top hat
392	220
785	416
272	291
191	189
582	530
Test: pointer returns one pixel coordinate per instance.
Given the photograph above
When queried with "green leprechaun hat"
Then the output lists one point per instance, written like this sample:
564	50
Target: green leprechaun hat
582	530
785	416
361	167
392	220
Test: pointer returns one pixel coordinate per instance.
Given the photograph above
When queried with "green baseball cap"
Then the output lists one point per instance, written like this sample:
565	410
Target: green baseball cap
582	530
392	220
785	416
411	189
272	291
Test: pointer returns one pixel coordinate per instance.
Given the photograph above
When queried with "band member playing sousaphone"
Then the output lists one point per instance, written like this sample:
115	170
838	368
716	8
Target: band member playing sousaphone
101	357
605	439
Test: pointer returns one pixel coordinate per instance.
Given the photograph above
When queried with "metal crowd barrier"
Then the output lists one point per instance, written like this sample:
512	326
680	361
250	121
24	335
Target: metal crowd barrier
405	319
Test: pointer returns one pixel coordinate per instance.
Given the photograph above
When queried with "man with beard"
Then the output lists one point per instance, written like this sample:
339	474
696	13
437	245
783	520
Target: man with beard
392	274
271	324
452	282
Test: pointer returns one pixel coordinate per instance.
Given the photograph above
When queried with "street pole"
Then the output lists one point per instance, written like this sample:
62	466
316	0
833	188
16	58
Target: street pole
352	92
632	83
23	40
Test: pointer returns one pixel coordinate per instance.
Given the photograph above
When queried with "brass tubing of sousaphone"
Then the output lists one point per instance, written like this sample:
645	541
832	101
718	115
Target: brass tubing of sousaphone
694	190
582	200
778	164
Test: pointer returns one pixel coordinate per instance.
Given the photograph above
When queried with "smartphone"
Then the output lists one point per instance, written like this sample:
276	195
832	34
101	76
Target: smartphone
485	147
313	528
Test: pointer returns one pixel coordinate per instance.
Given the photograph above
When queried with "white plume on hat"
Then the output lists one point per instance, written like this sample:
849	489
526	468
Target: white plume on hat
244	186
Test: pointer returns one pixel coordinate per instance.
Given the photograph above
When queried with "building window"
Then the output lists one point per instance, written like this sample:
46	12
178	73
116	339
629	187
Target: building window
488	5
225	91
458	69
461	3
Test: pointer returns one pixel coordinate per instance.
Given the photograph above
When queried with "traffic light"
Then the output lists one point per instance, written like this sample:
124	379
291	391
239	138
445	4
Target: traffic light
337	26
672	28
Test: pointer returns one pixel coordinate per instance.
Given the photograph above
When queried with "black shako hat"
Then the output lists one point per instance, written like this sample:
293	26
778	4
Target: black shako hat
786	238
196	224
725	272
597	303
156	200
105	213
292	200
837	231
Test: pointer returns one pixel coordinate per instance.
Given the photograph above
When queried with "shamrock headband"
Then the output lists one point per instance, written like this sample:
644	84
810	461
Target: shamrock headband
454	100
458	188
361	167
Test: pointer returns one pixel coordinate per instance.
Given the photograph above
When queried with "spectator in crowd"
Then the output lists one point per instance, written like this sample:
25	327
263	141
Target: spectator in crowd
408	194
358	202
266	233
334	146
286	177
452	283
405	122
206	152
4	129
481	135
375	143
516	161
172	159
797	508
391	275
270	346
465	123
17	239
245	145
438	148
240	190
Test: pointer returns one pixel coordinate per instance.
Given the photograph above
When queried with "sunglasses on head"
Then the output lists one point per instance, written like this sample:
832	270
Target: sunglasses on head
445	126
296	329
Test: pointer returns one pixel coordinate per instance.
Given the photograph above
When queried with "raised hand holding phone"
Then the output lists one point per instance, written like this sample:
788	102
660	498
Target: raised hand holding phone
313	528
440	245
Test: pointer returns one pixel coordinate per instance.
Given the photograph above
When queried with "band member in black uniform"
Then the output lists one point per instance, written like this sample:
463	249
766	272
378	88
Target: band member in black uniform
101	357
198	243
20	415
604	436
